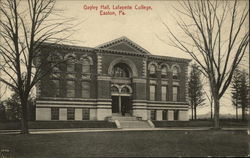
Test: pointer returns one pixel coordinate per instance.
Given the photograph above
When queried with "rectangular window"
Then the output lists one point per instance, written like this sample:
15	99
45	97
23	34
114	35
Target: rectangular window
54	113
70	113
70	67
56	88
165	115
153	114
85	89
175	93
85	68
176	114
152	92
70	88
85	114
164	93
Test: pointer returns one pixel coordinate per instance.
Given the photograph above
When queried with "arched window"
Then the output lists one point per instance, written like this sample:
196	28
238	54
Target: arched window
121	70
85	65
152	69
125	90
114	89
164	71
175	72
70	64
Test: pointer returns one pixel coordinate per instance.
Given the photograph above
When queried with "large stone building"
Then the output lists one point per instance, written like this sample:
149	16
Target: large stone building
116	78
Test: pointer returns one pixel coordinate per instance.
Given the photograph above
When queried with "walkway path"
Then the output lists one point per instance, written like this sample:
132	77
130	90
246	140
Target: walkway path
80	130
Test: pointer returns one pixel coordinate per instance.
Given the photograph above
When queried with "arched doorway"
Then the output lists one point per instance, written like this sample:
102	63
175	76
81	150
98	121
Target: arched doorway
121	99
121	90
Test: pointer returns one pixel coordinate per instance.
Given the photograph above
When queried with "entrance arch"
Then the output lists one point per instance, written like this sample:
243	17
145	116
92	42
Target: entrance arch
126	61
121	99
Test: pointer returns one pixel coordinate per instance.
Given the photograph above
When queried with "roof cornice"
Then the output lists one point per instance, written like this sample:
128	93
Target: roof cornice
109	51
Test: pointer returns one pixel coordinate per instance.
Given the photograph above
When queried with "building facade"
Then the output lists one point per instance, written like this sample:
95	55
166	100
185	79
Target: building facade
115	78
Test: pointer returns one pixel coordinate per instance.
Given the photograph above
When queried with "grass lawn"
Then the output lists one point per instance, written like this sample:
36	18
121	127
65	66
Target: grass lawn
128	144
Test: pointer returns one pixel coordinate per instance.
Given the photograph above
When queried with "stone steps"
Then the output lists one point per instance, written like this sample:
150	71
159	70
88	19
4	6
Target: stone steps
130	122
123	118
134	124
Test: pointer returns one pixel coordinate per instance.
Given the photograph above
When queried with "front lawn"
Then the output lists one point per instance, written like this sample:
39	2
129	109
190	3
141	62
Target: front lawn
58	125
127	144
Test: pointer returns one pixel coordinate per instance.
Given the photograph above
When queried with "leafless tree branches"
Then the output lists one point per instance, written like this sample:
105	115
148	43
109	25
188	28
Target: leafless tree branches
216	39
25	26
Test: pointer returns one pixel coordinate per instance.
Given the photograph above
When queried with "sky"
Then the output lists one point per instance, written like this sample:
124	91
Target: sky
144	27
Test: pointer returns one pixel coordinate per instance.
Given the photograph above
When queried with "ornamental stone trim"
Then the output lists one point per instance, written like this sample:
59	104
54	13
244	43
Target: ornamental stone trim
99	64
139	80
144	68
104	78
152	81
164	82
176	83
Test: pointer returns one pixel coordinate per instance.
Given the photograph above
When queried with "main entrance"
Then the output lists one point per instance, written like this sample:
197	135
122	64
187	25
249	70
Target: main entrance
121	105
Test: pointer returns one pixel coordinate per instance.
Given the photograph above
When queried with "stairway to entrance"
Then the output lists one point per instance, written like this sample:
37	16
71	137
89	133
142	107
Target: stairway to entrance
130	122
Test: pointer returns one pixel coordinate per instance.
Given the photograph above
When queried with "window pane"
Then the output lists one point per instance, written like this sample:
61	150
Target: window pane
70	88
163	93
70	67
175	93
85	89
86	68
56	87
114	89
85	65
153	114
164	70
54	113
175	72
152	69
176	114
85	114
70	114
121	70
152	92
125	90
165	115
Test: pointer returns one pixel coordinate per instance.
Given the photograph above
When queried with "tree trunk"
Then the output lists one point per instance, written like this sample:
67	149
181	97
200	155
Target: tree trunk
211	106
216	112
195	113
192	110
243	112
236	112
24	120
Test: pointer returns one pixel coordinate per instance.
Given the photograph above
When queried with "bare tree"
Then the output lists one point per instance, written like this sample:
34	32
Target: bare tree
210	99
25	25
215	36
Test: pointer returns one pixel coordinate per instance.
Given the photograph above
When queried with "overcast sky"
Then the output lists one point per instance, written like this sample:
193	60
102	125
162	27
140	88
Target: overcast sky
145	28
